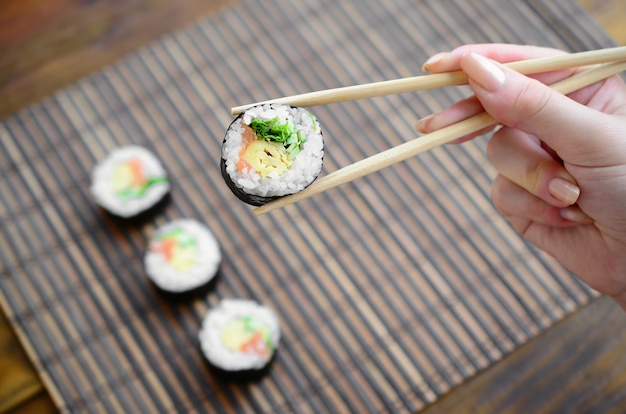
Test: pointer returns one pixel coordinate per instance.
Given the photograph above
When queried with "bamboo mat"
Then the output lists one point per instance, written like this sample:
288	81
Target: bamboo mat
390	290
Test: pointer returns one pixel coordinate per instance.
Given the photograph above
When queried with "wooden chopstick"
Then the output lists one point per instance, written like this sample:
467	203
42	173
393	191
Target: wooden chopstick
412	84
429	141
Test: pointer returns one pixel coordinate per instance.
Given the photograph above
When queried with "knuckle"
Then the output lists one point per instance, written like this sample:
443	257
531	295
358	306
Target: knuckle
498	197
529	103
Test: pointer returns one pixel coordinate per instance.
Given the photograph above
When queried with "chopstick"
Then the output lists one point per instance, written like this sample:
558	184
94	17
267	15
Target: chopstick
415	83
427	142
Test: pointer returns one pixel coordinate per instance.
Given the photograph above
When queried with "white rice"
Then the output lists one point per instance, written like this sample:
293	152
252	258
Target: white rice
305	168
207	260
218	318
103	191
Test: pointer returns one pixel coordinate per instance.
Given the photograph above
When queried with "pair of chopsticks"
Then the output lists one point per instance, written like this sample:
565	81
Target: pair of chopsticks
612	61
439	80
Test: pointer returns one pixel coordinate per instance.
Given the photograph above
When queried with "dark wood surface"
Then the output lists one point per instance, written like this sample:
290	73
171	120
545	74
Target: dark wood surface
47	45
576	366
579	363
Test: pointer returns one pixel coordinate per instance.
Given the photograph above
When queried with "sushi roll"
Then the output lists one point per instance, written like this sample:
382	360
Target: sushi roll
183	255
270	151
129	181
239	337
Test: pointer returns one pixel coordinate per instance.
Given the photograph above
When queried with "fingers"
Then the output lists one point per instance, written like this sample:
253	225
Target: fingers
523	209
450	61
456	113
526	104
524	160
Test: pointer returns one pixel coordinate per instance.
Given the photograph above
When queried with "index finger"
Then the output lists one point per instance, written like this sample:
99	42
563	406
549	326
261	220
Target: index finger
503	53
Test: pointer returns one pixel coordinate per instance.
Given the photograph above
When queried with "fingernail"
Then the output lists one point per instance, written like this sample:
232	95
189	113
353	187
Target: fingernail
575	214
432	60
564	190
491	78
422	124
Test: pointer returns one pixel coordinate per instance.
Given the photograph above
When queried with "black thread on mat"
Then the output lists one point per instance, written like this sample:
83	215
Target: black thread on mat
76	382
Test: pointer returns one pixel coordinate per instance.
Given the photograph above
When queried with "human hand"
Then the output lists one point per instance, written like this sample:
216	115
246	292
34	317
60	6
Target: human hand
561	160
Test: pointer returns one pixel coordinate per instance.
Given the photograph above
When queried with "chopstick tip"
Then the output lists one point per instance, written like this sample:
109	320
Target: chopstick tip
236	110
258	211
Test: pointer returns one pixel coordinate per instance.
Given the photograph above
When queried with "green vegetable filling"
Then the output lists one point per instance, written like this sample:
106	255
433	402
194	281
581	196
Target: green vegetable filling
182	238
138	192
128	180
286	133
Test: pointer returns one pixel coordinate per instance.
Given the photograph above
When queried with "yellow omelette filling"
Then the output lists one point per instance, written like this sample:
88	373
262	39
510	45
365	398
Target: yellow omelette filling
248	335
183	257
267	157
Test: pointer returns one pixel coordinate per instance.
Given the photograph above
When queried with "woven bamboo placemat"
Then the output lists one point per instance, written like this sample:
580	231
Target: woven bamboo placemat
390	290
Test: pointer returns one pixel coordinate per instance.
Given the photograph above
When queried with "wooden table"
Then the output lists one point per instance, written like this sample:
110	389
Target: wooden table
46	46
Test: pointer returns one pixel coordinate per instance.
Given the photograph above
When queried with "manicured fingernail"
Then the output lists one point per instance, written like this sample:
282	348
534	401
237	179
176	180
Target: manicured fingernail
564	190
432	60
422	124
575	214
491	78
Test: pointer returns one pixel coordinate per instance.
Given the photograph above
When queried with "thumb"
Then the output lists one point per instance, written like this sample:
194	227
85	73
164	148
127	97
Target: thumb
526	104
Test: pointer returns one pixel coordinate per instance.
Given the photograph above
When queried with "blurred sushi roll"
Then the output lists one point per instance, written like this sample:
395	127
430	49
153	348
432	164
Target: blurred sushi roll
270	151
182	255
129	181
240	336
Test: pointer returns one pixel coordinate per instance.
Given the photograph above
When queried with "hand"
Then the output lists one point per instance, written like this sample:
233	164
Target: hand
561	160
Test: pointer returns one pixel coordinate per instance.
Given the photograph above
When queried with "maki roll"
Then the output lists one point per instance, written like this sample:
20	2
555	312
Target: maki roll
270	151
129	181
239	337
183	255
